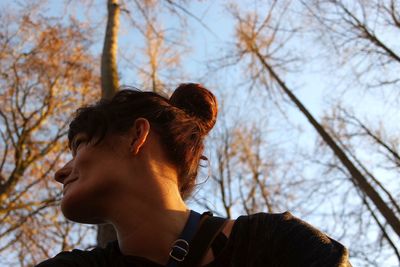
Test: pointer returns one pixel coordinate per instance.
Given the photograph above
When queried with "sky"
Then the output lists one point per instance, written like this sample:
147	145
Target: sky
313	83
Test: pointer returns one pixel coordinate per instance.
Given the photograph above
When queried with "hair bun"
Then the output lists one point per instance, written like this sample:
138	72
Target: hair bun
197	101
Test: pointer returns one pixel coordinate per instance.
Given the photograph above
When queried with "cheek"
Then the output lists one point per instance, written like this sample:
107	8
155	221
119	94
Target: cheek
84	203
87	199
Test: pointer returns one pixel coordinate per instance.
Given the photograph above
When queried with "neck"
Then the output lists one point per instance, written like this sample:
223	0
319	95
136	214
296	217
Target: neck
150	229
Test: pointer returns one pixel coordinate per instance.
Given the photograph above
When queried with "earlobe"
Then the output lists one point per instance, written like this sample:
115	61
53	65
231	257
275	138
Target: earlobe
140	131
132	146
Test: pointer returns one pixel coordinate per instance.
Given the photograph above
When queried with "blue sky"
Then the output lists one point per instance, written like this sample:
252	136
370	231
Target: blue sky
314	82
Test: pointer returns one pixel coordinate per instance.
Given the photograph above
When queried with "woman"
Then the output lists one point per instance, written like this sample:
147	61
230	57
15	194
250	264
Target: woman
135	161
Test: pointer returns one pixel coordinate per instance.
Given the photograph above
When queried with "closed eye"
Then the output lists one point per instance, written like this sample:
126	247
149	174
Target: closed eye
75	145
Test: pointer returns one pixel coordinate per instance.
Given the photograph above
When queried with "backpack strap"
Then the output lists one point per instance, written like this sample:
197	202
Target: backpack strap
219	243
208	231
180	248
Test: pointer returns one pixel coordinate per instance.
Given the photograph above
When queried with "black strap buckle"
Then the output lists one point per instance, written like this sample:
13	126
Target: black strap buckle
179	250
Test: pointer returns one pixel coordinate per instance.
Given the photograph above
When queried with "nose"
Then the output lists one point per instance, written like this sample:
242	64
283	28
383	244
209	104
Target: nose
64	172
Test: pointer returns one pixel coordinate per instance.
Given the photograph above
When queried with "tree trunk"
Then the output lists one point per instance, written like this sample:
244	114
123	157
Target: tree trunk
109	86
109	73
359	179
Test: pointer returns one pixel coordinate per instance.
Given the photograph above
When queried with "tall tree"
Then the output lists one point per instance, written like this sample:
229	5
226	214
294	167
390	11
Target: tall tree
352	134
357	37
109	86
109	71
45	67
250	42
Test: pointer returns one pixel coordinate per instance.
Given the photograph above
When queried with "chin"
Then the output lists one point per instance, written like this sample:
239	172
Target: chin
80	215
77	209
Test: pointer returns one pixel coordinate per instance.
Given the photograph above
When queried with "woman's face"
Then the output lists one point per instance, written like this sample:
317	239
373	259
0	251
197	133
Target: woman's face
93	178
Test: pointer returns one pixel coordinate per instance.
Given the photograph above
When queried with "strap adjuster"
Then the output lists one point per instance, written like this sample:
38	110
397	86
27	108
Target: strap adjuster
179	250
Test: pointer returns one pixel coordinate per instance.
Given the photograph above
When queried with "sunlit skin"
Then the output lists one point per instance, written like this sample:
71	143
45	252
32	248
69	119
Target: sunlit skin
127	181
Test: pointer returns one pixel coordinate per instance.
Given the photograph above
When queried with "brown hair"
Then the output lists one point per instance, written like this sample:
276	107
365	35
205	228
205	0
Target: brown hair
182	123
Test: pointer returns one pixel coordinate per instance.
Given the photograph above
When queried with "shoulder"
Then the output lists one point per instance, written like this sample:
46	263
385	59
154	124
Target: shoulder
288	241
96	257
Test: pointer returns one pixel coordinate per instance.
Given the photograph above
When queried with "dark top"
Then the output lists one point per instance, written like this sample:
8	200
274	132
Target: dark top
261	239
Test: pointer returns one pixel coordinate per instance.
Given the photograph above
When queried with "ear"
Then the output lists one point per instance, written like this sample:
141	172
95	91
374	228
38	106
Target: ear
139	132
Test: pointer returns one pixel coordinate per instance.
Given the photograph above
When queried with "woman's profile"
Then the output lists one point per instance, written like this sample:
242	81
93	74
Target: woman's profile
135	161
